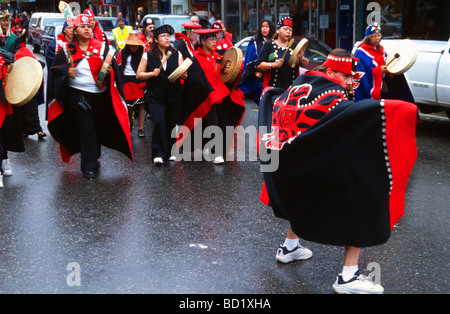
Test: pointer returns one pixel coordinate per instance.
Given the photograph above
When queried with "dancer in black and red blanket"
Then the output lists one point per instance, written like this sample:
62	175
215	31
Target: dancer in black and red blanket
342	166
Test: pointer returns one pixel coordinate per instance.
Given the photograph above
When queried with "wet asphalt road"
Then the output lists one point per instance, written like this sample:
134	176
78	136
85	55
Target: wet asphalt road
194	227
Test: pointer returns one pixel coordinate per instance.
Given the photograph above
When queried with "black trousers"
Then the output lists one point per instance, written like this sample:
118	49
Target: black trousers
215	119
30	117
88	124
164	117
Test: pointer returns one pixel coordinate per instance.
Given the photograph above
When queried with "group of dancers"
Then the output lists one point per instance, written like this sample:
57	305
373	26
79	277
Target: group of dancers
343	165
139	74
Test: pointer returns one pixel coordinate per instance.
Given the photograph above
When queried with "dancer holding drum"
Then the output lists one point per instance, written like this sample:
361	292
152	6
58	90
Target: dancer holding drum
211	96
372	66
274	57
163	96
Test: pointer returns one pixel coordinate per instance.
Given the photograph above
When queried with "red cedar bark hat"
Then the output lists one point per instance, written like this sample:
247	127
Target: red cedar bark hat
206	33
190	26
82	19
345	65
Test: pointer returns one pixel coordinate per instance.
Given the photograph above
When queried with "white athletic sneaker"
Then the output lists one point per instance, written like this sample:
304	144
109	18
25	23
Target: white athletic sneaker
299	253
359	284
6	166
158	160
218	160
1	181
173	158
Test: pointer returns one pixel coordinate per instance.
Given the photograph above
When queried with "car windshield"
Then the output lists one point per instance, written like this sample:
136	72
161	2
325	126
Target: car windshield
49	30
317	51
107	25
53	20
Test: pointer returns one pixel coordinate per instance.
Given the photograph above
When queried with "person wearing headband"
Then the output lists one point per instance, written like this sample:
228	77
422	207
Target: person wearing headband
87	111
372	68
342	167
274	56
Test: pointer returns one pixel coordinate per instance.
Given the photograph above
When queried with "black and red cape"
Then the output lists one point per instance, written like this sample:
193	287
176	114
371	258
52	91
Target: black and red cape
342	166
61	124
203	89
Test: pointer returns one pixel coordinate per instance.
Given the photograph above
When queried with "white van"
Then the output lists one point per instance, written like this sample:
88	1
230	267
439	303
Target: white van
37	25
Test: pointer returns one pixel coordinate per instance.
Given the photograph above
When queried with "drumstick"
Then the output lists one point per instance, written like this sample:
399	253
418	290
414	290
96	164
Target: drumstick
291	42
169	54
396	56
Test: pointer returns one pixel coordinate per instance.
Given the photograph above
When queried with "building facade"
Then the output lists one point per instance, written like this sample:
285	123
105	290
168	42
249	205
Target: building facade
338	23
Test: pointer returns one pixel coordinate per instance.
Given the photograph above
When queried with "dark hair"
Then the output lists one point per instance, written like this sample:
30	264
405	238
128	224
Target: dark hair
338	52
156	52
203	37
259	35
74	36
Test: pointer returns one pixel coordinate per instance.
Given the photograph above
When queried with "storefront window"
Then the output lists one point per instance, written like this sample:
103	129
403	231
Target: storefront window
249	18
427	19
233	19
414	19
391	18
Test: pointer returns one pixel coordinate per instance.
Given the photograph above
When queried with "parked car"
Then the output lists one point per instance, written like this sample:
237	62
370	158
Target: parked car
38	22
429	77
50	32
107	23
175	20
317	51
